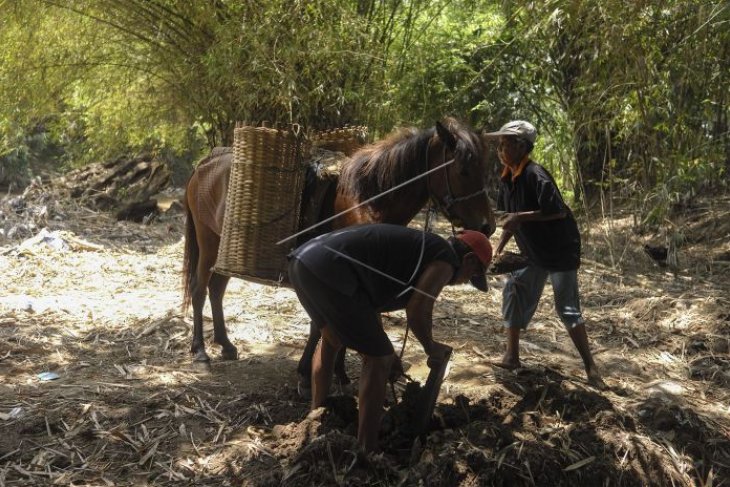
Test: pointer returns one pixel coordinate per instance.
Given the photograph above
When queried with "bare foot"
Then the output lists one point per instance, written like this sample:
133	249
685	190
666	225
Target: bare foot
508	363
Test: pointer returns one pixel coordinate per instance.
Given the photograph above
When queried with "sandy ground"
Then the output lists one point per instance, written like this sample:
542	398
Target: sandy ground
128	407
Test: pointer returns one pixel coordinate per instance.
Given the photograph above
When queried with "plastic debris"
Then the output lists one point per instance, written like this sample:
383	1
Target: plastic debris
14	413
45	376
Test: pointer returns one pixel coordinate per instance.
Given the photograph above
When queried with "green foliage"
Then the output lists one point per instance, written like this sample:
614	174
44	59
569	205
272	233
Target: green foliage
437	61
138	73
640	83
63	74
627	96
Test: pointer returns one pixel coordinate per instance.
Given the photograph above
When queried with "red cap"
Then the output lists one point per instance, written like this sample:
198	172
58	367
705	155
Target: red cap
479	244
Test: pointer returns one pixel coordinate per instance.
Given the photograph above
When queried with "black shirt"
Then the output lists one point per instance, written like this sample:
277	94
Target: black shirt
555	244
389	249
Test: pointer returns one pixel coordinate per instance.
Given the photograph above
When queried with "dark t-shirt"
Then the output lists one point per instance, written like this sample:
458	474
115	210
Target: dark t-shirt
555	244
380	250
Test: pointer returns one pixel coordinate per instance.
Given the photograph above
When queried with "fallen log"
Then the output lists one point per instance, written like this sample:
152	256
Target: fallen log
124	184
138	211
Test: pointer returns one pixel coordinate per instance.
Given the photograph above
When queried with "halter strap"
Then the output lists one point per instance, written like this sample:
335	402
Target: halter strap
444	204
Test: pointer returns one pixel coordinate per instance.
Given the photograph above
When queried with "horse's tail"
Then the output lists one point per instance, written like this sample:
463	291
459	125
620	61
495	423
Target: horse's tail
190	256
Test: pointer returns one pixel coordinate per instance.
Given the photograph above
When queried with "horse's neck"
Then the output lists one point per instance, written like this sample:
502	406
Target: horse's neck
402	205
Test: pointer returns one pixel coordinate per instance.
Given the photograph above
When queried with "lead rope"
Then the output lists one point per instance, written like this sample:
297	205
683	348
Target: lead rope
450	196
426	228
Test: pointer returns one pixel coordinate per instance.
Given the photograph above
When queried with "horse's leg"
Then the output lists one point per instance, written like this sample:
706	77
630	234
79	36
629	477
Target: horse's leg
208	250
216	290
304	368
198	286
340	372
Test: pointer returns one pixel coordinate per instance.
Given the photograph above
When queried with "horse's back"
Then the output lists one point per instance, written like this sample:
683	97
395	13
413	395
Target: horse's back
212	176
209	185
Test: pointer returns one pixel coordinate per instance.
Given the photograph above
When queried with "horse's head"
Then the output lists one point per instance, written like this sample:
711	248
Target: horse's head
458	190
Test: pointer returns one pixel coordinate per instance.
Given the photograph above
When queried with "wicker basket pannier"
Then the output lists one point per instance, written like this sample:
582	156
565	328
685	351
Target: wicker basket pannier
262	204
344	139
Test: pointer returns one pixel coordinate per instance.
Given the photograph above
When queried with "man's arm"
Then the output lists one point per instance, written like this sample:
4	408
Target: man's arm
512	221
506	236
419	309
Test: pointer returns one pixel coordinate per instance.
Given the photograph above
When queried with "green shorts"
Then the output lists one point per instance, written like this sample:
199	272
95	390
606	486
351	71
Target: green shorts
523	290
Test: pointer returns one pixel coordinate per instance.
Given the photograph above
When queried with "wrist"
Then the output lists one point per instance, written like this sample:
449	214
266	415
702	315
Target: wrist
530	215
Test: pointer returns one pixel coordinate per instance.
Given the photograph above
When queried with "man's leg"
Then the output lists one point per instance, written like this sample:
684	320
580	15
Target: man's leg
567	305
371	398
322	366
521	295
580	340
511	358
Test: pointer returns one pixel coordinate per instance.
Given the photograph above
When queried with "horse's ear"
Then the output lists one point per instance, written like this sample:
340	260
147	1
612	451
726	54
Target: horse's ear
446	136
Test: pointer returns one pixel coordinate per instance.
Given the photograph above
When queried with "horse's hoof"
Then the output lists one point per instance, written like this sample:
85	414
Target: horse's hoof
229	354
304	391
201	357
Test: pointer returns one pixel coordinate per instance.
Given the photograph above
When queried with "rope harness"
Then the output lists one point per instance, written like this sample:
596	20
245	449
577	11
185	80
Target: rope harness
446	203
443	205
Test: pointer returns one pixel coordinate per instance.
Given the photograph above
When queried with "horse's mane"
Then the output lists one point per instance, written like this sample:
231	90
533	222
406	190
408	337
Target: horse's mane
380	166
467	141
399	157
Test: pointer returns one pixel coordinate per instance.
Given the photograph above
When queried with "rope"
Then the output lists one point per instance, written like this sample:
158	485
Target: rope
366	202
426	228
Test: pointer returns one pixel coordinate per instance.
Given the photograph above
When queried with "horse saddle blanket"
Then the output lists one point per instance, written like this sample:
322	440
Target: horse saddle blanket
214	173
322	170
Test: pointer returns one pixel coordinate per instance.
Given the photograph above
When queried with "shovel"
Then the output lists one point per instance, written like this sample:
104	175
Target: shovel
429	393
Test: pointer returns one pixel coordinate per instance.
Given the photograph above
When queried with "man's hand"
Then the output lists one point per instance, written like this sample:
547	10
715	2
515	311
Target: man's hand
511	222
437	353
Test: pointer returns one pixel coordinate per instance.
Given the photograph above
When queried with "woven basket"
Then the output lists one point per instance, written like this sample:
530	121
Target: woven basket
262	204
345	139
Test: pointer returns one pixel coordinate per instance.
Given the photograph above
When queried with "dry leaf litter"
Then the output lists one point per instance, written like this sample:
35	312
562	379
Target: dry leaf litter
98	386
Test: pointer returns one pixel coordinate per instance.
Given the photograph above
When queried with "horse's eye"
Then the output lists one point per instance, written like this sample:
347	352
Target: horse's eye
462	162
464	168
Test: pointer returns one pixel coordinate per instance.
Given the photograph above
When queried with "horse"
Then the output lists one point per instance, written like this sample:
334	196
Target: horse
457	190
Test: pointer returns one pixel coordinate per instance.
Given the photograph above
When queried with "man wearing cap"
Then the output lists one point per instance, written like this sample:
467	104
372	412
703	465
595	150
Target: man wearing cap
547	233
344	279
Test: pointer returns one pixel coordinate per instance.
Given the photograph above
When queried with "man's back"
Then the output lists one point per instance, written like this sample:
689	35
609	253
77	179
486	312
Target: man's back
381	259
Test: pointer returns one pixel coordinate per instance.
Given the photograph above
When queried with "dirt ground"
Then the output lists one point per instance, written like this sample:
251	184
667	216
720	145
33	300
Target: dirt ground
98	305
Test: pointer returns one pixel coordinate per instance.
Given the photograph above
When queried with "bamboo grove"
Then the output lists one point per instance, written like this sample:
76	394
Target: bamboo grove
628	97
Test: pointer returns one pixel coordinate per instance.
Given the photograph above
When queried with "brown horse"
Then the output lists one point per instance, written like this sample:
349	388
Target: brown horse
457	190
